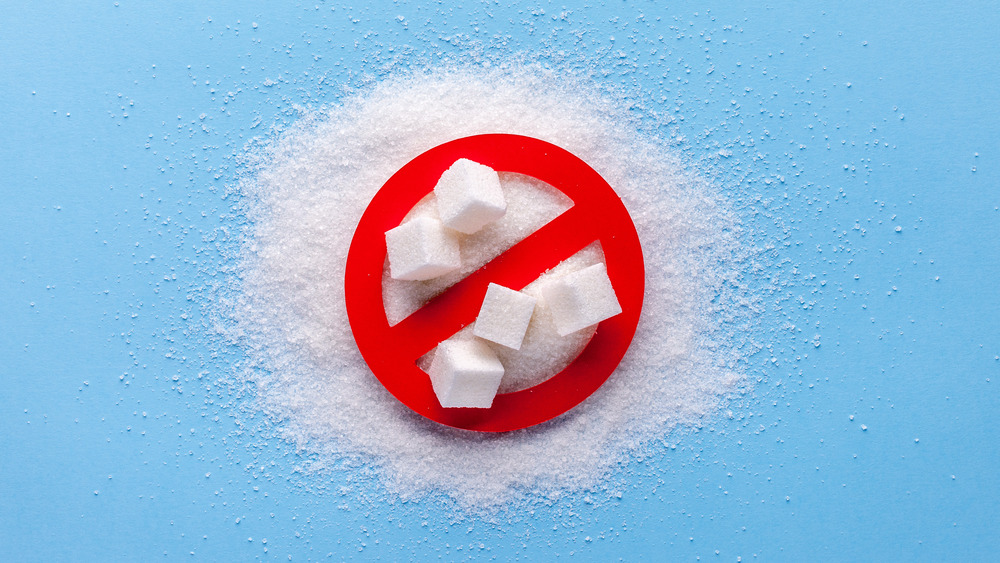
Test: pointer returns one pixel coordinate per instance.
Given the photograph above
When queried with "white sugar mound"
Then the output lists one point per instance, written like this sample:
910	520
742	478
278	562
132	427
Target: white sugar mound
304	193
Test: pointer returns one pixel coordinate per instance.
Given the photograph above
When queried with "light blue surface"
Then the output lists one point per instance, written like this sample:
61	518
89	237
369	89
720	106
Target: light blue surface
119	124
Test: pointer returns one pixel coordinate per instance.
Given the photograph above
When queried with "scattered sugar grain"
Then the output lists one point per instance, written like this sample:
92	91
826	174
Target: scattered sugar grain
303	195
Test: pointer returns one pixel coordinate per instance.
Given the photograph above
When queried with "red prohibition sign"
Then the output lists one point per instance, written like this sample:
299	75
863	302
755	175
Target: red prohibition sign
597	214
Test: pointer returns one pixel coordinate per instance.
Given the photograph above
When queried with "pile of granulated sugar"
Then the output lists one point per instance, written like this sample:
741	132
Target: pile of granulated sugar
305	193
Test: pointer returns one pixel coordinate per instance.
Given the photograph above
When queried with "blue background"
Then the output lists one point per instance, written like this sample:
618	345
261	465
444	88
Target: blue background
828	127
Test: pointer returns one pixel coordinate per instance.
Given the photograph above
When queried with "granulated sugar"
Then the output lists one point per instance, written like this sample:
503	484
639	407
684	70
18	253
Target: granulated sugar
307	190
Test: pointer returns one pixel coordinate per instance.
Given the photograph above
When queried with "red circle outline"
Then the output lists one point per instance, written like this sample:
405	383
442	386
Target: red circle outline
598	214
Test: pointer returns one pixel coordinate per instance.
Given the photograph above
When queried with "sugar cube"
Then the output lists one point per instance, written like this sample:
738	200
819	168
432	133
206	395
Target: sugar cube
469	196
465	373
422	249
581	299
504	316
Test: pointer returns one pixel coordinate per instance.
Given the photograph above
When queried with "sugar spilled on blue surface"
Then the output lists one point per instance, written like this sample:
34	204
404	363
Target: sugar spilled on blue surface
304	191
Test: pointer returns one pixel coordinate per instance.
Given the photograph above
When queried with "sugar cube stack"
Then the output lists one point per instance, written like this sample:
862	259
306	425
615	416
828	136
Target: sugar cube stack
465	373
422	249
581	299
469	196
504	316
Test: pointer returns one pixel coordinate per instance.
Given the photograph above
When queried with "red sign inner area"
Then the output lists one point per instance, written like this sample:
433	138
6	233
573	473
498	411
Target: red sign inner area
597	215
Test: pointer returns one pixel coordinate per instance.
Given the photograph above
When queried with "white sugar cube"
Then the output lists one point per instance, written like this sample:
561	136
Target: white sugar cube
422	249
465	373
581	299
504	316
469	196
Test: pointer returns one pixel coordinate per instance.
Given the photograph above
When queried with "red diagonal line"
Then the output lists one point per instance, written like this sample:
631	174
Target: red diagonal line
458	306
